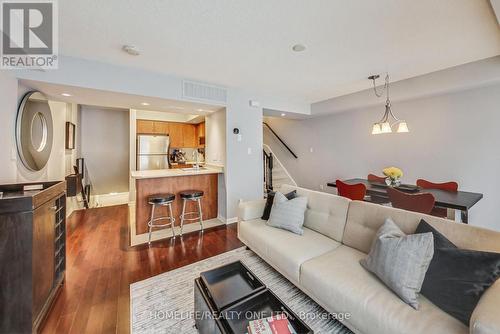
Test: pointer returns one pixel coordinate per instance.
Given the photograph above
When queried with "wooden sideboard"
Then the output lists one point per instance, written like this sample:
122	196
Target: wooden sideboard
32	253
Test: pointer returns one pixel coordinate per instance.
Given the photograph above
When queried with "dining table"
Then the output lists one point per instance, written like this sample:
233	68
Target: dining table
451	200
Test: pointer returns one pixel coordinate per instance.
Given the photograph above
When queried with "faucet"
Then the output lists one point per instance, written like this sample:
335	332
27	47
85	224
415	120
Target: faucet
196	164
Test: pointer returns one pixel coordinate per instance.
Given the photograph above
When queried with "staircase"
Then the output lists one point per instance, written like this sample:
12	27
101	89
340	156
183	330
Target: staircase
275	174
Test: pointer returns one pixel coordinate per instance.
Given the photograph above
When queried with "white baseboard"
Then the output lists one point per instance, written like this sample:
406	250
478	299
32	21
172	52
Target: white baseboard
228	220
110	199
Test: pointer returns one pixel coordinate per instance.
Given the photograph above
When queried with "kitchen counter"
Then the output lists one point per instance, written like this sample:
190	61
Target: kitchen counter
150	182
157	173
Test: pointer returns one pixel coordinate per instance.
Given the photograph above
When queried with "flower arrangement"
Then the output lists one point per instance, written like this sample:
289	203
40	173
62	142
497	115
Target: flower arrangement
394	175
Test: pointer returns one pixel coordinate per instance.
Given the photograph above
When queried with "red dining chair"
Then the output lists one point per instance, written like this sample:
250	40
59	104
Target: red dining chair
376	178
356	192
447	186
423	202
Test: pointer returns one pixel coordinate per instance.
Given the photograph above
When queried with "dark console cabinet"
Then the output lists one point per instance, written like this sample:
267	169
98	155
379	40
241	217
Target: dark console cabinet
32	253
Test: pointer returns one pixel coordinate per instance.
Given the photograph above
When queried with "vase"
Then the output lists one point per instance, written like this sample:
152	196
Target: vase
393	182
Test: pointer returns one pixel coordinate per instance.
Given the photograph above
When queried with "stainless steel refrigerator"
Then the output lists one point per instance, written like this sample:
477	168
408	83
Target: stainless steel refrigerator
152	152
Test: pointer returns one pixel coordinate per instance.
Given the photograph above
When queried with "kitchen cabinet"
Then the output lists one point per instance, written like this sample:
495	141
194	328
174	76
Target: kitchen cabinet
176	134
145	126
33	253
161	128
200	135
181	134
188	135
152	127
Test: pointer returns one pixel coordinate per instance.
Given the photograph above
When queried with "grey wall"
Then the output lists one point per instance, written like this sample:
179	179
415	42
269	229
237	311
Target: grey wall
453	136
105	148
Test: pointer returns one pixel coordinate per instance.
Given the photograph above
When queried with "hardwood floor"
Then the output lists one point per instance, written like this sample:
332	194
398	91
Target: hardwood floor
101	266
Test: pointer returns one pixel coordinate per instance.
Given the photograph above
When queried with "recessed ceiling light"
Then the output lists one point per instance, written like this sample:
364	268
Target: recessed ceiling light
145	103
200	110
298	48
131	50
283	114
66	94
176	107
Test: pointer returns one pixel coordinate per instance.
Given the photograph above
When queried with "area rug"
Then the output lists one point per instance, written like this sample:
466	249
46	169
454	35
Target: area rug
164	303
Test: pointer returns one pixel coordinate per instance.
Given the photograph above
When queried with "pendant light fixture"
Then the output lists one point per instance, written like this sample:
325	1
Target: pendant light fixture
384	125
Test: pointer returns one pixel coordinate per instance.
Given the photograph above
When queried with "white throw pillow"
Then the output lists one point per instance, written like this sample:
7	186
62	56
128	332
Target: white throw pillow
288	214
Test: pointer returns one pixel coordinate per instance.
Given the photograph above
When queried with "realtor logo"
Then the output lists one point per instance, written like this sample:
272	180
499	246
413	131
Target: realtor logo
29	34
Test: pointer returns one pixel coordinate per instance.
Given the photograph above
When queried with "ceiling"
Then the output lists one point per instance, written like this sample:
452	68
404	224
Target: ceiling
94	97
247	44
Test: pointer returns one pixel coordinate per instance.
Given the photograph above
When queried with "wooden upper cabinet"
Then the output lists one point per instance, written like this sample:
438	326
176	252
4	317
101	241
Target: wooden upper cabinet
201	130
152	127
200	135
188	135
144	126
181	134
175	132
161	128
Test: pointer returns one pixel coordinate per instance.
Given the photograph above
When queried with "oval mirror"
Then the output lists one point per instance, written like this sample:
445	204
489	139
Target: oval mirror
34	131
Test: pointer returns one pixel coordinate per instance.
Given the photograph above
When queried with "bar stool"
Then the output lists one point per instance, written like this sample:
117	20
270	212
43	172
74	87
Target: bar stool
195	196
161	200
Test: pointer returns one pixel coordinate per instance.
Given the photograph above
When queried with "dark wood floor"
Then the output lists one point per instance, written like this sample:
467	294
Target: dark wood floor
101	266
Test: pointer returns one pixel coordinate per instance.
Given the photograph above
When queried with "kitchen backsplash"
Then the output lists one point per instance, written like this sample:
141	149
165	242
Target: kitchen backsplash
187	153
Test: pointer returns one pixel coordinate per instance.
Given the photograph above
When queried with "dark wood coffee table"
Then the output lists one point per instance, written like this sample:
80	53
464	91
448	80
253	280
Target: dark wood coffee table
228	297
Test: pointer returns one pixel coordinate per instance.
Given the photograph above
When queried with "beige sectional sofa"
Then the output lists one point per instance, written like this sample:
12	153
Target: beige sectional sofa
324	263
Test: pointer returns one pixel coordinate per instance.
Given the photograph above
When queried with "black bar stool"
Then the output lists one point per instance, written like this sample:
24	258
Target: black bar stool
161	200
195	196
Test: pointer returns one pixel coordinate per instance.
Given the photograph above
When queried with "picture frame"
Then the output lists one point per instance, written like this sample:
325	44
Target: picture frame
70	136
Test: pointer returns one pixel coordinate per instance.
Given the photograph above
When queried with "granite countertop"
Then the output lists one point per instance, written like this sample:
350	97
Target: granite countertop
157	173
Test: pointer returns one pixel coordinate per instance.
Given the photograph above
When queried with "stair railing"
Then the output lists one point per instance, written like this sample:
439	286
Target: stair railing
276	161
81	168
268	171
281	140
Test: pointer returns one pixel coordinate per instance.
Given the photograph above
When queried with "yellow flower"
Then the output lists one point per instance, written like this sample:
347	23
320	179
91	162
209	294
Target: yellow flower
393	172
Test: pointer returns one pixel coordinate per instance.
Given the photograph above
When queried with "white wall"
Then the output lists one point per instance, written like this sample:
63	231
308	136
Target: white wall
244	172
453	137
215	153
105	148
8	110
215	138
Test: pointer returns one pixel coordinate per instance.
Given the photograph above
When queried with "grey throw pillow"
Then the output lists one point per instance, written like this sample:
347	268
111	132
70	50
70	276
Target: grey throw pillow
288	214
400	260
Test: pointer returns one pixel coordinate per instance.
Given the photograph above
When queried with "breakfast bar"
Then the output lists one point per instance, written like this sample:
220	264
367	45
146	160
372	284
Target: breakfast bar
174	181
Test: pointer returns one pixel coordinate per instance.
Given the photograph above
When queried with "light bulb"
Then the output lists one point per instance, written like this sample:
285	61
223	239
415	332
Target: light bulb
386	127
403	127
376	129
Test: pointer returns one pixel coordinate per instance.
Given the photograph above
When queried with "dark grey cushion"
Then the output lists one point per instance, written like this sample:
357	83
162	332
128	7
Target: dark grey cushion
457	278
400	260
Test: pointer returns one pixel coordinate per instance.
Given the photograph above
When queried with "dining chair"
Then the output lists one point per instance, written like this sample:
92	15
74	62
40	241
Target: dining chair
446	186
423	202
376	178
356	192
